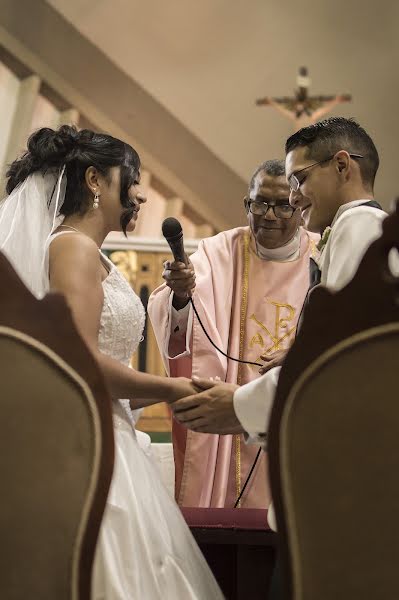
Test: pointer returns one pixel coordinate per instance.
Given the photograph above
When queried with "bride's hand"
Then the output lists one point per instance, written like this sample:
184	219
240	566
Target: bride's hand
180	387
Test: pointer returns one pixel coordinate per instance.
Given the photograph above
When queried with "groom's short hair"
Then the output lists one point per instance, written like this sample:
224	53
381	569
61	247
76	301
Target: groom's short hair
327	137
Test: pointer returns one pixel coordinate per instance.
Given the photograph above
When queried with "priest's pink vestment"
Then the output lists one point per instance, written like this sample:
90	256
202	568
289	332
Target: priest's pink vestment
249	307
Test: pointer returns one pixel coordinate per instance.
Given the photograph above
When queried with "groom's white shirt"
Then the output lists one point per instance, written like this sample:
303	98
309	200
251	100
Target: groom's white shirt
352	232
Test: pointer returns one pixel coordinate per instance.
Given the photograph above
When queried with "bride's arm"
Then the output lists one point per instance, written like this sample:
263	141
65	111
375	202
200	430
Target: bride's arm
76	271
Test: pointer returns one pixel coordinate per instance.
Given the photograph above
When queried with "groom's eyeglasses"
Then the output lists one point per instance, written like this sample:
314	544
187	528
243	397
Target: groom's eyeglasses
295	182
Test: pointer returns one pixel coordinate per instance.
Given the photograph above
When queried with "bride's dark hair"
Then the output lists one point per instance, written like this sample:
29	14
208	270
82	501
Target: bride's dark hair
77	150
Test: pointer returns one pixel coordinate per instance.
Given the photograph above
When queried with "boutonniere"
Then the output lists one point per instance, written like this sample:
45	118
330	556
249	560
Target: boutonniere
323	239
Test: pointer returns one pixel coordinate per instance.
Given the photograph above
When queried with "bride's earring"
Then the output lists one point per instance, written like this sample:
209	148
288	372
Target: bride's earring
96	200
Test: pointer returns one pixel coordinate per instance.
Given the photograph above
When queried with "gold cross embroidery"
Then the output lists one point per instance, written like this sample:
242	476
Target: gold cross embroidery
281	323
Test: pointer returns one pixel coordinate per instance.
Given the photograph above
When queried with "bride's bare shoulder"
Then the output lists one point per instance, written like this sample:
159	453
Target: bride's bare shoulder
76	248
72	241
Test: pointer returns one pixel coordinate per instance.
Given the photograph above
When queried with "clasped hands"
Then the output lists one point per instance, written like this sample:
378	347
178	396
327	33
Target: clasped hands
210	409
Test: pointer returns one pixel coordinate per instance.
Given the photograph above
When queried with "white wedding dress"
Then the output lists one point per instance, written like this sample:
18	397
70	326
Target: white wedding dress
145	550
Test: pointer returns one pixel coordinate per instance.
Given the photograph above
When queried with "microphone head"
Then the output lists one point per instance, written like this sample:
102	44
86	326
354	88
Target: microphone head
171	228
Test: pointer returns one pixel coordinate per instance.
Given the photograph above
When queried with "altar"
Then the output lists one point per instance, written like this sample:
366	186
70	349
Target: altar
239	547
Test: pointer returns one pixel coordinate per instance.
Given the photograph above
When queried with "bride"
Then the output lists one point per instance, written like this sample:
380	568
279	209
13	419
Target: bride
65	194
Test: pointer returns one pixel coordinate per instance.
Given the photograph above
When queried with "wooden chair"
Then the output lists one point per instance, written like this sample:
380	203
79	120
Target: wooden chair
334	439
56	448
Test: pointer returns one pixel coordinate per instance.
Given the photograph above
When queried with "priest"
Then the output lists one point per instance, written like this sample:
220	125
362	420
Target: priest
248	285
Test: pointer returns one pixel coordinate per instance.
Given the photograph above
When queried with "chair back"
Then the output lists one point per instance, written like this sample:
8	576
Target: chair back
333	443
56	448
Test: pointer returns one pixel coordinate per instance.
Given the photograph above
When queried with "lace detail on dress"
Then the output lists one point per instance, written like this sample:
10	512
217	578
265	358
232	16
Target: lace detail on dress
122	323
121	326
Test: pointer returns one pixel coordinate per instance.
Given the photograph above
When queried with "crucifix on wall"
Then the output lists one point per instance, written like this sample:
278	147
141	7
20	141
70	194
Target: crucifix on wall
303	109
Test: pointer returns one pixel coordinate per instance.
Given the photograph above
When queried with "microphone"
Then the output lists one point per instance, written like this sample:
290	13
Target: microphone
173	233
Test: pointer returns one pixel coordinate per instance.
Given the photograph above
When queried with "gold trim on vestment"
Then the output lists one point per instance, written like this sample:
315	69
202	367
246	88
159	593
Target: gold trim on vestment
313	249
243	314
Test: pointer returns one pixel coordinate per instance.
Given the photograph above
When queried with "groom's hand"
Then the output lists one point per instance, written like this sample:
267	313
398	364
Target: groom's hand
209	411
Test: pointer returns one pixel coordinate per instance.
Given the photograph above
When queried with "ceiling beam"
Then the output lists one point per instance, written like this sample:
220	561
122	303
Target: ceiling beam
48	45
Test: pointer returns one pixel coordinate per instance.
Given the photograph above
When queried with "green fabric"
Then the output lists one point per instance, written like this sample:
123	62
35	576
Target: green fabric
160	437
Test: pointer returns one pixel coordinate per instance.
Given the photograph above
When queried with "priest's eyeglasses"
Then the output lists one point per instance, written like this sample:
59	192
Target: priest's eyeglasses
295	182
281	211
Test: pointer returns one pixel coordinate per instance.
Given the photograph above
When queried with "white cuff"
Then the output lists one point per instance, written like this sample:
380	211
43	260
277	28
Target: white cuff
253	404
179	318
179	330
271	518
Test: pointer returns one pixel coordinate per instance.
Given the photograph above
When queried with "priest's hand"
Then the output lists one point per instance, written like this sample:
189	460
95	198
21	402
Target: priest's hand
180	277
209	411
272	360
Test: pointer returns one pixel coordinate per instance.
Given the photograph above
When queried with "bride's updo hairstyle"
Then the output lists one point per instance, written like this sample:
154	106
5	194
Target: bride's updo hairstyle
50	149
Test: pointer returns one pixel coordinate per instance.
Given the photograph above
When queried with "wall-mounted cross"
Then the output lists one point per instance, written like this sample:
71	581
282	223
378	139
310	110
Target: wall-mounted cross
303	109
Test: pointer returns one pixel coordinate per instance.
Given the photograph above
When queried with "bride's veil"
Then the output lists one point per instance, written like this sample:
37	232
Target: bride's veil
27	218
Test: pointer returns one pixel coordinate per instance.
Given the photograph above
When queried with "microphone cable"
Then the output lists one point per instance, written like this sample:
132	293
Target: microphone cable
248	478
245	362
